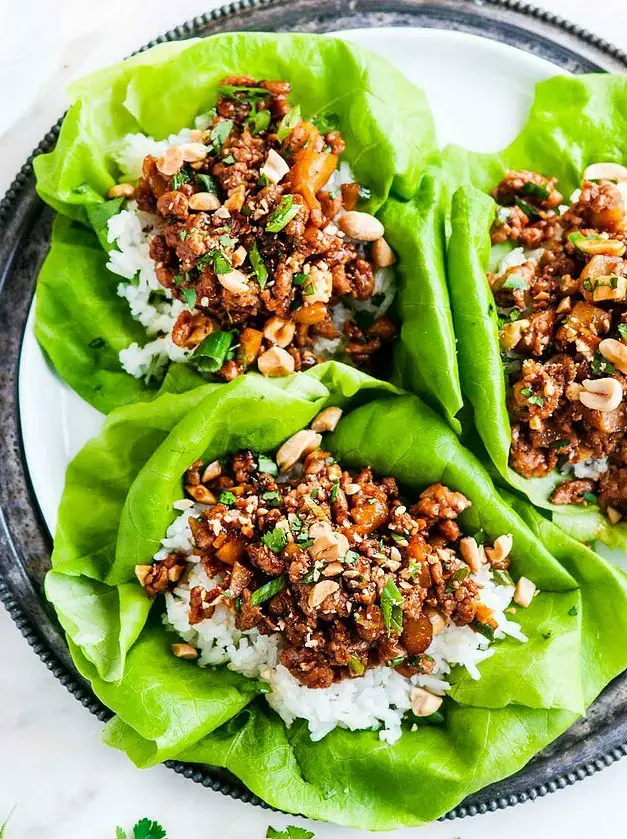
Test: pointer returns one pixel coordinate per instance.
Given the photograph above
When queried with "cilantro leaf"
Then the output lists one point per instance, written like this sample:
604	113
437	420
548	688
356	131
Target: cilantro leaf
258	121
189	296
391	598
147	829
275	539
219	133
290	832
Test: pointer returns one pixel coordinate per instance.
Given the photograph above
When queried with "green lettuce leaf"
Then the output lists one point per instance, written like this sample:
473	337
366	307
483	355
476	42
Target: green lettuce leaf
82	324
574	121
167	707
426	358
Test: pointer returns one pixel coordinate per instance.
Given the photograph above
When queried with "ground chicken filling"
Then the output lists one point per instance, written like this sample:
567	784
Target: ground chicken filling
257	246
349	574
561	300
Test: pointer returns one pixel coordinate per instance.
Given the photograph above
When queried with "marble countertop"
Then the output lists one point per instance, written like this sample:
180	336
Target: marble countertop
58	778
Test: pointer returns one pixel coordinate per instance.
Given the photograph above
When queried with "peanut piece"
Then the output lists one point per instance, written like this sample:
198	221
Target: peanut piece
279	331
423	703
121	191
382	254
297	446
275	362
327	419
615	352
524	592
361	226
601	394
204	201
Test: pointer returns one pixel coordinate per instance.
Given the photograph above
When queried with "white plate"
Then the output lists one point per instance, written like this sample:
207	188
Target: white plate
479	91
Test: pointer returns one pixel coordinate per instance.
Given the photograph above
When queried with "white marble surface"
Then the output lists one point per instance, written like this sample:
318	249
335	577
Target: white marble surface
60	780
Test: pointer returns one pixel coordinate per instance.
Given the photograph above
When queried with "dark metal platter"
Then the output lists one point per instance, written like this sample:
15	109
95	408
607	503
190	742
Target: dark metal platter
25	544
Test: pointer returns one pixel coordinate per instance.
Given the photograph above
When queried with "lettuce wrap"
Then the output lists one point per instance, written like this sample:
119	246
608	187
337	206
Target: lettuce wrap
82	324
116	507
573	122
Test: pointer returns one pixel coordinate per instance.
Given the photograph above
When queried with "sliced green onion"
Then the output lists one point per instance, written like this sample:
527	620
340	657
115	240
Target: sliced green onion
515	281
527	209
268	591
483	629
258	121
326	122
267	465
211	354
259	266
356	666
289	121
283	214
535	191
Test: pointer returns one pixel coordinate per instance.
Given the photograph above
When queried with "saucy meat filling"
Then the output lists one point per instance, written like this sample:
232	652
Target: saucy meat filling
257	245
563	334
350	574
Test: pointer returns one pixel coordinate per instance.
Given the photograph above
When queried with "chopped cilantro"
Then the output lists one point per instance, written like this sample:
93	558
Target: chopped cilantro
258	121
326	122
227	497
572	611
391	598
267	591
259	266
351	557
272	497
283	214
189	296
207	182
479	537
219	261
622	329
460	575
291	119
219	134
243	93
590	497
228	159
536	400
399	537
334	490
275	539
180	178
148	829
483	629
600	365
290	832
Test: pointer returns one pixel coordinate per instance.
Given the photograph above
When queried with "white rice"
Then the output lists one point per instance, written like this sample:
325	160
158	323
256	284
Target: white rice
150	303
592	468
379	699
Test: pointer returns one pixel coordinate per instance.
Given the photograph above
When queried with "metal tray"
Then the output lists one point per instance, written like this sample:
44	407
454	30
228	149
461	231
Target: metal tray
592	743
